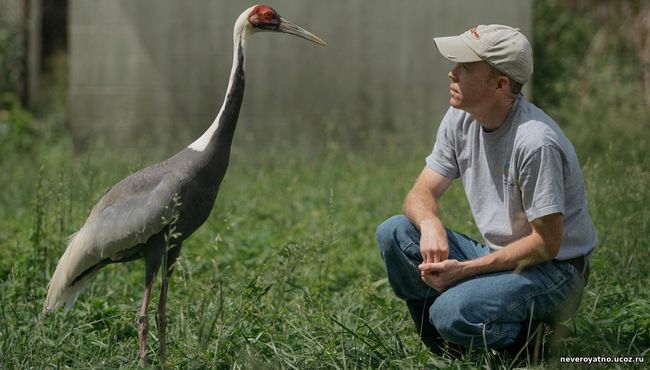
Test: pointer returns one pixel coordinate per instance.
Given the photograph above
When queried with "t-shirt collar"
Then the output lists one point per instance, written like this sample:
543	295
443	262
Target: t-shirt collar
499	132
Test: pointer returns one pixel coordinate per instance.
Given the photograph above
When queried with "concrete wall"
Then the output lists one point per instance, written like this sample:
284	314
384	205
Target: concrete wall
159	68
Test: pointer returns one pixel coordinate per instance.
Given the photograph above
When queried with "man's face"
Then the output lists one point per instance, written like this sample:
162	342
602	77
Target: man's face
472	85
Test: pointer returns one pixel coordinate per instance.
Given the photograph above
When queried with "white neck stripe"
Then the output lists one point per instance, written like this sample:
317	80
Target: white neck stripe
239	39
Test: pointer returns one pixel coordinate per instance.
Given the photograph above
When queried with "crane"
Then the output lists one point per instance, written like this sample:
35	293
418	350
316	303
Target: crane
149	213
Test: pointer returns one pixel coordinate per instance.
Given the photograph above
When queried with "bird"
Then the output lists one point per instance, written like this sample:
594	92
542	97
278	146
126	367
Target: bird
151	212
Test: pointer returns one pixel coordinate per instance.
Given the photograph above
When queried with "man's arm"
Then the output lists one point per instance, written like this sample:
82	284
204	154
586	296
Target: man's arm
421	207
541	245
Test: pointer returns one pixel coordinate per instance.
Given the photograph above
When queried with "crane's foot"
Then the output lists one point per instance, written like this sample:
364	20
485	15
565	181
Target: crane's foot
142	323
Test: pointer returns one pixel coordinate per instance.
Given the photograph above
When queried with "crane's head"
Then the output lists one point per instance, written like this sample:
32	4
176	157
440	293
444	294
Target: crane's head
265	18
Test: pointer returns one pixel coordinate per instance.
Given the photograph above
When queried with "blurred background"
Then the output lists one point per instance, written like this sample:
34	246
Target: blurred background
152	70
127	74
328	142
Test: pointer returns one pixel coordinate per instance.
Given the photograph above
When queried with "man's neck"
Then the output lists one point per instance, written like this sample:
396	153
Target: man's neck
494	116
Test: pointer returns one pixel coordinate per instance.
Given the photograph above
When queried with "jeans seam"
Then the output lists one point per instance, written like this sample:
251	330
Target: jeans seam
497	332
411	243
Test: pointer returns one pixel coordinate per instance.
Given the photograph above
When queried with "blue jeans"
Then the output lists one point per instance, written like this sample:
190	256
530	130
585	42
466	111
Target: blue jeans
485	310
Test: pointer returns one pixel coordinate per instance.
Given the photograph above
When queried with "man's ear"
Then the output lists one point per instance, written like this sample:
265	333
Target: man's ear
503	83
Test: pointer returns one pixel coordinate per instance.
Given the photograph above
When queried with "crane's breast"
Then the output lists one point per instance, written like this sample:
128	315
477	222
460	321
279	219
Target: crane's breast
197	202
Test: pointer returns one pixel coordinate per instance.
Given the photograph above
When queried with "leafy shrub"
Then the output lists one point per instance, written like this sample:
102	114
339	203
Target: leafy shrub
590	61
17	131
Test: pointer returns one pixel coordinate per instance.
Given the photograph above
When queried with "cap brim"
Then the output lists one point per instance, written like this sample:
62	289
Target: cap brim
455	49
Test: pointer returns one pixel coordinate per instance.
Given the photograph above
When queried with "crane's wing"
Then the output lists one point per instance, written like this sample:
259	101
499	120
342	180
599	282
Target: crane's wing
128	214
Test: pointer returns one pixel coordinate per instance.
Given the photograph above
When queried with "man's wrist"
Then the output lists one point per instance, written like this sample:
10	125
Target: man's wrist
469	268
428	223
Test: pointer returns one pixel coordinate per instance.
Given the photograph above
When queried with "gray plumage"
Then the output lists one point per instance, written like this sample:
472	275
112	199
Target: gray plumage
132	219
121	225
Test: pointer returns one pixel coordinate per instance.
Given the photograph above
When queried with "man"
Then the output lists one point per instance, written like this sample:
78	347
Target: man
526	192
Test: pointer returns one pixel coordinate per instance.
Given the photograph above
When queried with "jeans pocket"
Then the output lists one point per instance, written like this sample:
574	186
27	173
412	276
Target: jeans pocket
551	276
564	292
412	251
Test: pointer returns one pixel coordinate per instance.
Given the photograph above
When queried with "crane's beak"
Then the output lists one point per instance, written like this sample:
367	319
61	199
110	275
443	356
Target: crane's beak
288	27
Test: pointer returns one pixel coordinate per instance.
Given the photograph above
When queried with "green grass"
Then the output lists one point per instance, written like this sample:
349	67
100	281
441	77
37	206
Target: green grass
285	273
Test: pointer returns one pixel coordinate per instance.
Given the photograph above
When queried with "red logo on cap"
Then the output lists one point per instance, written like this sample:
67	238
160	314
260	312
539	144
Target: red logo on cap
474	33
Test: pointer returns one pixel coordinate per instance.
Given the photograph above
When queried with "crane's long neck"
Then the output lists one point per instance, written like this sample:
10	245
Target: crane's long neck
218	137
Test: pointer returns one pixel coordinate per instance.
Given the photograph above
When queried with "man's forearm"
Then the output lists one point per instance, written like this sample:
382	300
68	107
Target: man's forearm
516	256
523	253
420	205
421	208
541	245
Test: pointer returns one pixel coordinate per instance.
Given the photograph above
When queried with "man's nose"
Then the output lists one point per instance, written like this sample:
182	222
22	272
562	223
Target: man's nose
452	73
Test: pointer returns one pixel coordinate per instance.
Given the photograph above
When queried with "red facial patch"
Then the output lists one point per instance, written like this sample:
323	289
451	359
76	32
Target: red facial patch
263	15
474	33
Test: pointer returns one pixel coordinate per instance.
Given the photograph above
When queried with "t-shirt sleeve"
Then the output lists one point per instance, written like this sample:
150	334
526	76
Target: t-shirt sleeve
443	156
542	183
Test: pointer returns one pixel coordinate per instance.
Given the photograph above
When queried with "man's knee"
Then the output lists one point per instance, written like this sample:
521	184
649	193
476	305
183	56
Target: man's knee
450	319
388	232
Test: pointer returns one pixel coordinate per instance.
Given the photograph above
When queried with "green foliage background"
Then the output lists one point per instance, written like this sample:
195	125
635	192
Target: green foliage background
285	273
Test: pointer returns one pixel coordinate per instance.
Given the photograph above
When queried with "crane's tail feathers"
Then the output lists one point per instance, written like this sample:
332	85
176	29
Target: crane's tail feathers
64	288
67	296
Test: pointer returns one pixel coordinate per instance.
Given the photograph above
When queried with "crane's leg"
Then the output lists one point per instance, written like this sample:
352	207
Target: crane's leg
152	251
161	318
142	323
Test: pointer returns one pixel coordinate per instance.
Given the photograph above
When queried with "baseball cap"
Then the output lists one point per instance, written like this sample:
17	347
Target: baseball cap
503	47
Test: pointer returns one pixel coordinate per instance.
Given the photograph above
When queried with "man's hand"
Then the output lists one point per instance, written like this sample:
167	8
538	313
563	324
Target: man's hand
434	245
442	275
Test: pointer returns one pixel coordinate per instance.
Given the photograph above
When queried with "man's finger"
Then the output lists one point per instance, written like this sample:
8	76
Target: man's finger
431	267
429	257
442	255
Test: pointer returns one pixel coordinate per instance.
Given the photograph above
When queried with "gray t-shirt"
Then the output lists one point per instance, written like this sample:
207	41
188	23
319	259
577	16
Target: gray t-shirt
524	170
